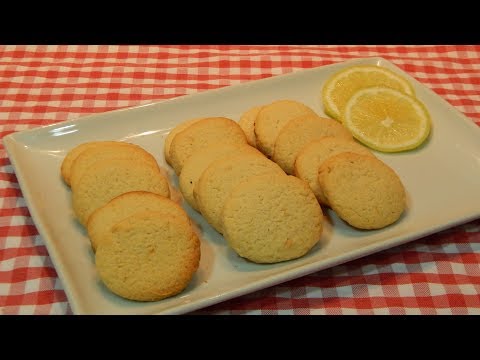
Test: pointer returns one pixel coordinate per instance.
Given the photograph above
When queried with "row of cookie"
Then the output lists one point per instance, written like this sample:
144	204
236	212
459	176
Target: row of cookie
347	177
264	215
100	170
145	247
301	142
281	129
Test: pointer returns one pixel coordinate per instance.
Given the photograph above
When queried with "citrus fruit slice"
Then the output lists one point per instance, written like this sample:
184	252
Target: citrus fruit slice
387	120
342	85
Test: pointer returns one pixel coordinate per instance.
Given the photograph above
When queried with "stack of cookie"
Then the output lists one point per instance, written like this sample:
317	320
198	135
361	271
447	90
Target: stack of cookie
265	215
145	246
342	173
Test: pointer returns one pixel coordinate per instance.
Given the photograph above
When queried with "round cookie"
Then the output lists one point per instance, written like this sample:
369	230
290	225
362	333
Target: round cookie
201	134
299	132
125	205
311	157
106	179
107	151
168	140
218	180
247	123
271	218
148	256
271	119
75	152
362	190
198	162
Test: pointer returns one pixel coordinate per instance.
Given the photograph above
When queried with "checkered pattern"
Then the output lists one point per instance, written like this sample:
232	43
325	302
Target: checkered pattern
40	85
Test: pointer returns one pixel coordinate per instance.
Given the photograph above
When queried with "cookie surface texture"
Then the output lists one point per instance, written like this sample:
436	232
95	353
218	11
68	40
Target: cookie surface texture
75	152
107	151
222	176
200	135
312	156
110	178
272	218
271	119
104	218
168	140
362	190
198	162
299	132
148	257
247	123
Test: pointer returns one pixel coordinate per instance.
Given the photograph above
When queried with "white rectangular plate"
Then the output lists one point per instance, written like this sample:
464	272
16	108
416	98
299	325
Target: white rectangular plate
441	179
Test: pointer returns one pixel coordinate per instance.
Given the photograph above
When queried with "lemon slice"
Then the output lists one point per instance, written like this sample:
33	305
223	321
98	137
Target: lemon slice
387	120
342	85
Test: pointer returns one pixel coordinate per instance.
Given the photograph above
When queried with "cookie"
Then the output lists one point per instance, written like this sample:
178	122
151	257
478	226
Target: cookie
198	162
168	140
125	205
148	256
362	190
75	152
271	119
247	123
216	182
107	179
312	155
272	218
299	132
201	134
107	151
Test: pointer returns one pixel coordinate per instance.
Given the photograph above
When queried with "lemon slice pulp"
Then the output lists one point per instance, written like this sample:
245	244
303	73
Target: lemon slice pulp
341	86
387	120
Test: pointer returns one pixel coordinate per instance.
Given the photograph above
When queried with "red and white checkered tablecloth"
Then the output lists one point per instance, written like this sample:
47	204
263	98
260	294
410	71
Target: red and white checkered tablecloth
41	85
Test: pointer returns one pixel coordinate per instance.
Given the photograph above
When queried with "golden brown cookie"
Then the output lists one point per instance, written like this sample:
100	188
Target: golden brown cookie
272	218
77	150
105	151
168	140
271	119
198	162
311	157
104	218
201	134
247	123
362	190
109	178
299	132
221	176
148	256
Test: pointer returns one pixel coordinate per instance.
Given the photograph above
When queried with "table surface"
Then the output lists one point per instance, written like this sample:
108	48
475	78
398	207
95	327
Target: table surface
41	85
